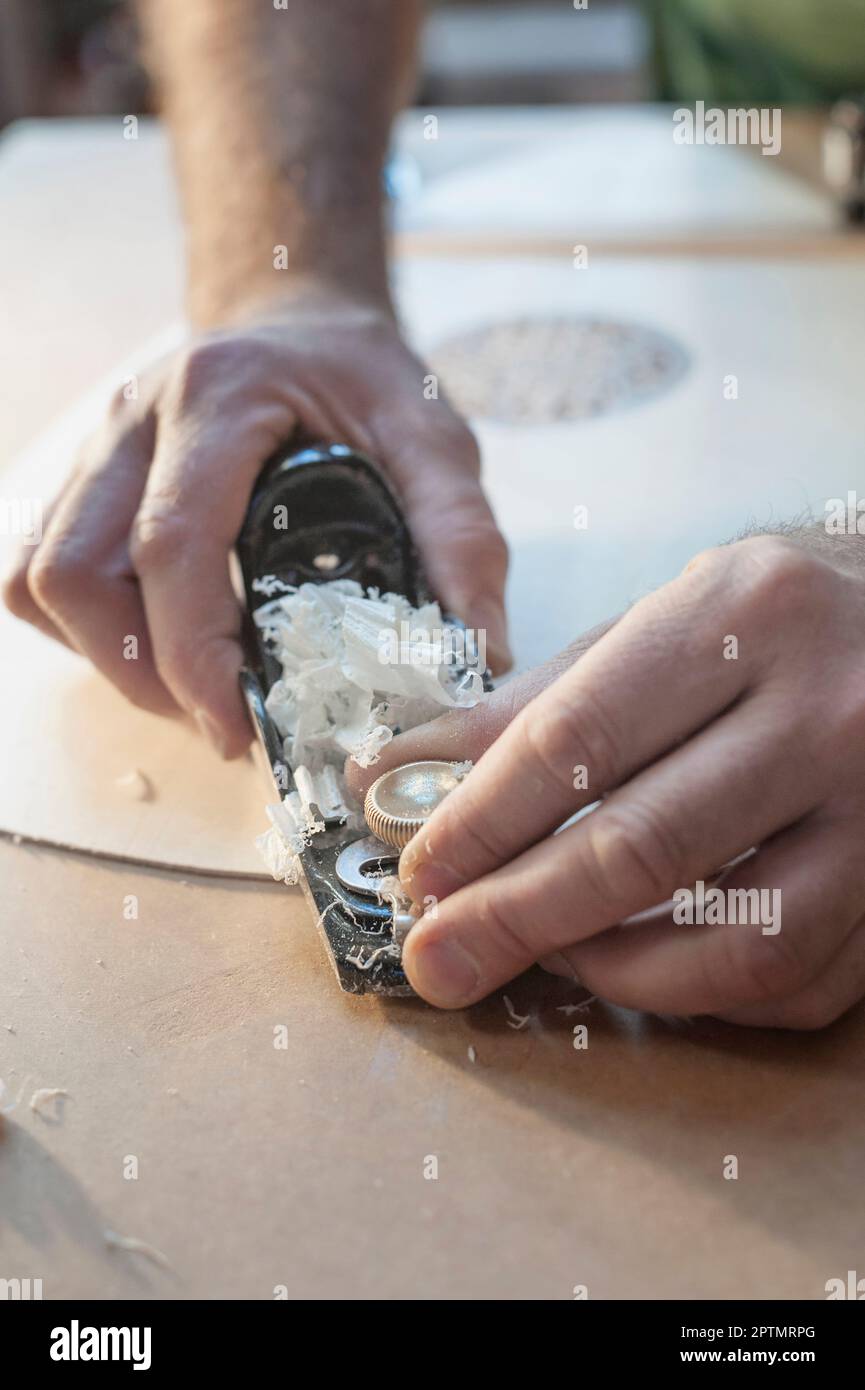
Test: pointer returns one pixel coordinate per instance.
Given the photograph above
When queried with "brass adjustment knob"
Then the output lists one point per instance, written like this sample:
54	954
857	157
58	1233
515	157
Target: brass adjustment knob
402	800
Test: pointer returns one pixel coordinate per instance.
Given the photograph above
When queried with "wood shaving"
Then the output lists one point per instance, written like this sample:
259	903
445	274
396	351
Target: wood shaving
136	1247
473	1056
391	950
357	667
515	1020
568	1009
136	785
45	1097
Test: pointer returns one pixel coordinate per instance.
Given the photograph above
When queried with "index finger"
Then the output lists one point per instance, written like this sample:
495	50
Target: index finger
654	679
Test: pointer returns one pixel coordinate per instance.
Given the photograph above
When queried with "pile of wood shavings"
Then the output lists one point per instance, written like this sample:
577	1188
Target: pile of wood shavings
341	694
539	370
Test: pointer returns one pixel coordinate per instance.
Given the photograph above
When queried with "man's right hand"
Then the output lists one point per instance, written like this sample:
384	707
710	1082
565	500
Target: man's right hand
137	544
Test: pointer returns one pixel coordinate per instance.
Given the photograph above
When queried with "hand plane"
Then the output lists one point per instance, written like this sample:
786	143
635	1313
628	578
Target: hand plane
340	520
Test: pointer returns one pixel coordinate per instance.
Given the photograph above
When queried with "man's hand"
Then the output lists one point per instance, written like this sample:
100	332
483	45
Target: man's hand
280	122
724	712
138	543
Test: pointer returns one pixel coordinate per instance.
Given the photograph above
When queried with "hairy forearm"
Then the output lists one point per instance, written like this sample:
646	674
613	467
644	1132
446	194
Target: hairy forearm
280	120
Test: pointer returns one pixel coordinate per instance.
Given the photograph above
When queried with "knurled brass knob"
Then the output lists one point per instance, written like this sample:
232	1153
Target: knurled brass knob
402	800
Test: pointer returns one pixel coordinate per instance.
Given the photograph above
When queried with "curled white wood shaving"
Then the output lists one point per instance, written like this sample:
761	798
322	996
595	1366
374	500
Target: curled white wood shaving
357	958
473	1056
136	1247
136	785
347	673
45	1097
568	1009
269	585
350	680
389	890
515	1020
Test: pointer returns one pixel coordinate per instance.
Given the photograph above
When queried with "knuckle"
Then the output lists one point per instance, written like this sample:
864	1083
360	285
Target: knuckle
158	536
577	730
507	931
632	860
764	968
201	365
56	576
707	565
778	575
16	592
471	837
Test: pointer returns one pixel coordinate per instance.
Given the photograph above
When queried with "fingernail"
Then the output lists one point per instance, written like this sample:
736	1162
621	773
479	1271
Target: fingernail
490	624
500	658
443	972
211	731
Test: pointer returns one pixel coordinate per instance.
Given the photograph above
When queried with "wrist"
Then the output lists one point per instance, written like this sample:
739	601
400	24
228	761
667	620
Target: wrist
300	267
315	299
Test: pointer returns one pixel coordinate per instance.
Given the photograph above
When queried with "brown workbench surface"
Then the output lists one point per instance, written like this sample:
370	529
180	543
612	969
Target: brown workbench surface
304	1165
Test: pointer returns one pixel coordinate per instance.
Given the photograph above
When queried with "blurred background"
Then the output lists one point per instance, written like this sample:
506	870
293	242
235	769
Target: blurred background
80	57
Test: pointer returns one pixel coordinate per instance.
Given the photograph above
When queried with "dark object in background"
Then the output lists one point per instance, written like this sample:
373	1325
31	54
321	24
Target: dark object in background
844	156
70	58
81	57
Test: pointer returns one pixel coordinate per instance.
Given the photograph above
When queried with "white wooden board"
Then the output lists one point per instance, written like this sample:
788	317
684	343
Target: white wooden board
660	481
589	173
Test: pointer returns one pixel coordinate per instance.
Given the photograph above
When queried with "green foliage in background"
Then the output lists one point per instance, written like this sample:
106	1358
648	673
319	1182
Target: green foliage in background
758	51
